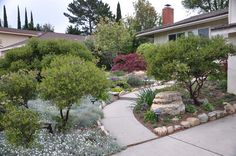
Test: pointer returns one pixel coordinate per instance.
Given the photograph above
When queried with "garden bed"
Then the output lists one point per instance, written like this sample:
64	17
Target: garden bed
211	94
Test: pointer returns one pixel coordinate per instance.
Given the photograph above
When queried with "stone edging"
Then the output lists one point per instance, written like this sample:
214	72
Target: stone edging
195	121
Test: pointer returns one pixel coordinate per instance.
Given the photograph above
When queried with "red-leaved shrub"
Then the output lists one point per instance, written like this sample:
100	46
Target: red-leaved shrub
129	63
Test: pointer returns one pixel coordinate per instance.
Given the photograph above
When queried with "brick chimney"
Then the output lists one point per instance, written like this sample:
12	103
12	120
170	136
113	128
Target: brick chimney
167	15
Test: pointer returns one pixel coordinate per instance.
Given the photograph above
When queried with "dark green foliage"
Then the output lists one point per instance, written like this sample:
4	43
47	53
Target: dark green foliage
190	108
5	22
120	83
135	81
87	14
31	24
208	107
20	126
146	97
0	22
18	18
31	55
47	27
150	116
68	79
206	5
118	13
179	61
118	73
26	26
19	87
73	30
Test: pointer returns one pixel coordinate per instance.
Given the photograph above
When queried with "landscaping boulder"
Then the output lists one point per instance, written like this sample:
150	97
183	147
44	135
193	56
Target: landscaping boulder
170	129
212	116
168	102
185	124
203	117
234	106
193	121
229	108
219	113
161	131
177	127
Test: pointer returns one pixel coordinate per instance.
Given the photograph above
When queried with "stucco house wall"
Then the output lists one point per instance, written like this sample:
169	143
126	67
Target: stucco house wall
232	68
9	39
160	38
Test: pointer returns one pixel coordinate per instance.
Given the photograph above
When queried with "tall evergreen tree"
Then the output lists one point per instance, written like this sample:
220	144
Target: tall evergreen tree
118	13
0	22
88	13
5	23
31	24
18	18
26	26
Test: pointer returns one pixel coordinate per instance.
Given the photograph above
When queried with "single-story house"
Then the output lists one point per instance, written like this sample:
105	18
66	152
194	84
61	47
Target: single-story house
220	22
12	38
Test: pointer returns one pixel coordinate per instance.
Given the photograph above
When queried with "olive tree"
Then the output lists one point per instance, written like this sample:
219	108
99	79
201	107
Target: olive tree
68	79
190	61
19	86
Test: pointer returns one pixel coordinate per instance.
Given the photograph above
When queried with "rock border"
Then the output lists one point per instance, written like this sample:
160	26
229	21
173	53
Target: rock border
195	121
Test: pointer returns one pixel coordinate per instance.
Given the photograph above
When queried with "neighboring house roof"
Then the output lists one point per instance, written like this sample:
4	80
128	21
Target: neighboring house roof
37	34
186	22
19	32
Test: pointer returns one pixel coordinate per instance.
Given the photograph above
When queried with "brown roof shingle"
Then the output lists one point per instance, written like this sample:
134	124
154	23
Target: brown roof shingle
20	31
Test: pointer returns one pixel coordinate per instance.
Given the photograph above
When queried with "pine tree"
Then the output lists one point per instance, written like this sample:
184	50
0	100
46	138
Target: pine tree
18	18
118	13
26	26
31	24
5	24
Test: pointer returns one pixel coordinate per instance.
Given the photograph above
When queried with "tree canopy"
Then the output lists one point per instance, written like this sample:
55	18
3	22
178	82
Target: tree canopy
145	15
205	5
118	13
86	14
5	22
189	60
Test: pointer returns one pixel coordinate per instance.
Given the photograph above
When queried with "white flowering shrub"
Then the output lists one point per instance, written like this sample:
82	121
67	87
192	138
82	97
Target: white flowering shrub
87	142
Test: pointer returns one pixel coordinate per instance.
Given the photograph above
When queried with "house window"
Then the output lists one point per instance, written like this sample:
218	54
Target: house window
172	37
203	32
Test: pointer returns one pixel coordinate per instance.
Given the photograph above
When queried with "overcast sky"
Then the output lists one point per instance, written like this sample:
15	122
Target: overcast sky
51	11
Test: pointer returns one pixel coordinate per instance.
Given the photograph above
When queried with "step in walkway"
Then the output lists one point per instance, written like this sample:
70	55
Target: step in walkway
217	138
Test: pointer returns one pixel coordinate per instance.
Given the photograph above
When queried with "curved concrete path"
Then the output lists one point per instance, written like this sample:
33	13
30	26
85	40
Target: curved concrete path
217	138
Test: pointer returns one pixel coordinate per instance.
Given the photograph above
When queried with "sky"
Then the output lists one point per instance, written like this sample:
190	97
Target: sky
51	11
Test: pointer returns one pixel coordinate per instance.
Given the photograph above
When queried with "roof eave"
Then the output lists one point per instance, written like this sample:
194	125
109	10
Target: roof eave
183	25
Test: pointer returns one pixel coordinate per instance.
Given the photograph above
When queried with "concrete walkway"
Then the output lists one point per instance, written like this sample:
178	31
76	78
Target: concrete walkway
217	138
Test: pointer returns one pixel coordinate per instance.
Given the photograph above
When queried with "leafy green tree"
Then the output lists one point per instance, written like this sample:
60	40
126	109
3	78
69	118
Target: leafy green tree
145	15
20	126
30	56
68	79
5	22
31	24
205	5
18	18
26	26
118	13
47	27
19	87
73	30
190	61
113	37
88	13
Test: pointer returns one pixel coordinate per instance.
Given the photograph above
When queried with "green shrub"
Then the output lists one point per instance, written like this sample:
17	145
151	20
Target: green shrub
20	126
146	96
208	107
190	108
135	81
68	79
117	89
118	73
150	116
19	86
120	83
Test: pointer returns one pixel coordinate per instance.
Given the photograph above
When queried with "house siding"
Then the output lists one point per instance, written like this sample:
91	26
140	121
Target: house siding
162	37
10	39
